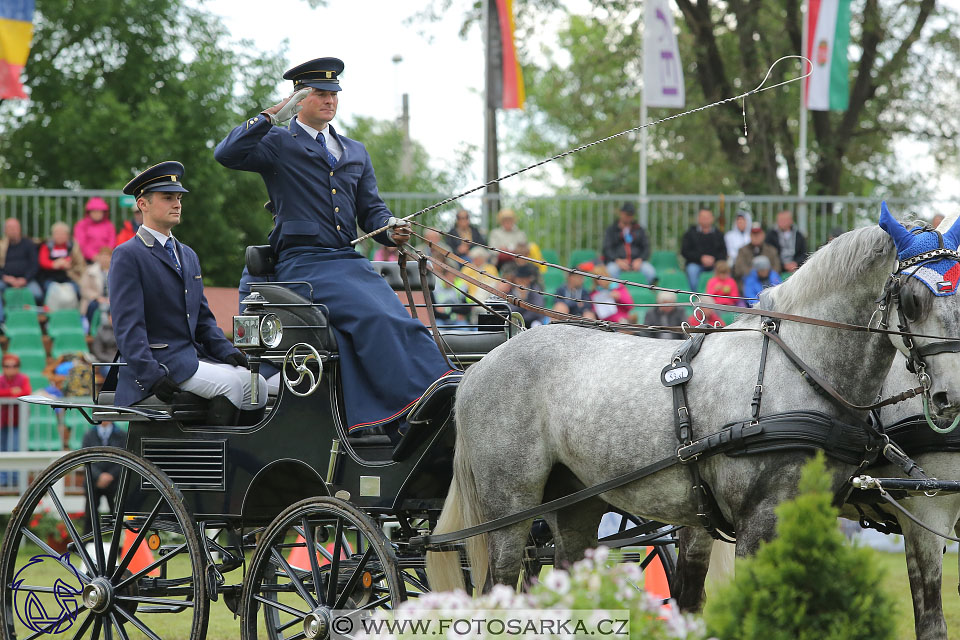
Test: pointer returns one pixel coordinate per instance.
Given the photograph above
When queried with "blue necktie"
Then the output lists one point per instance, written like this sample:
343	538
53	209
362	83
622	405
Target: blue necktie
168	245
332	159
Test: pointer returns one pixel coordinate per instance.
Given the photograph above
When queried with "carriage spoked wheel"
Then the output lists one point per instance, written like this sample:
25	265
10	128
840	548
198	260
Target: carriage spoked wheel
138	573
351	572
659	555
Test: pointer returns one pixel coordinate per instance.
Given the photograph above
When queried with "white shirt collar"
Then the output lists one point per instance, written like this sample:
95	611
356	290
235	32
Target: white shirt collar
333	145
159	235
313	132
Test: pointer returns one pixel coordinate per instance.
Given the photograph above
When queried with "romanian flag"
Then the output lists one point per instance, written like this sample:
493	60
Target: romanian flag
506	85
828	87
16	29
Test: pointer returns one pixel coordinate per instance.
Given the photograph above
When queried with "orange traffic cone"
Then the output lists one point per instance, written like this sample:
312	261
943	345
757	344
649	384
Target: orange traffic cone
299	559
655	578
141	558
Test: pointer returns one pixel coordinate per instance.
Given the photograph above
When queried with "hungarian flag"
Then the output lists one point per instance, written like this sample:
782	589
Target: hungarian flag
506	82
16	29
828	87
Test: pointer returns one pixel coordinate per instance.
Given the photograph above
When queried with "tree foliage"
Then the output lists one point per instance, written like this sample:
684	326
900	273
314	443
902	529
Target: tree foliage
808	583
585	84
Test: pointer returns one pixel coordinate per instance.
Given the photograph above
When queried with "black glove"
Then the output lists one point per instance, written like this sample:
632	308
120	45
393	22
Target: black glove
237	359
164	388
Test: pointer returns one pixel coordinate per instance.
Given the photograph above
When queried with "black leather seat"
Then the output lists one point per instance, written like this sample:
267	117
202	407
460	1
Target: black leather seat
428	414
471	343
186	406
390	271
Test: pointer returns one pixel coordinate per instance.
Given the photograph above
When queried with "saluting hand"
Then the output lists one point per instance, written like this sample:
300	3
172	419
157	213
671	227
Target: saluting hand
286	108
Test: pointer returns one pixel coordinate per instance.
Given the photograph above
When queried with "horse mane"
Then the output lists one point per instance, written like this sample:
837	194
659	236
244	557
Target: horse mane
841	262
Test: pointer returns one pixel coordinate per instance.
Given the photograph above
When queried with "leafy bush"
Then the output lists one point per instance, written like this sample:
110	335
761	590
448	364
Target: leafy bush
806	584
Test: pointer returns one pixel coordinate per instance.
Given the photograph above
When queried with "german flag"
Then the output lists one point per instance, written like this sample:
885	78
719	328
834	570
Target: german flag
16	30
506	86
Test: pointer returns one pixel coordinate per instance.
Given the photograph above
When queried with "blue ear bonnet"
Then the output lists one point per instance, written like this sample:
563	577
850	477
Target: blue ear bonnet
940	275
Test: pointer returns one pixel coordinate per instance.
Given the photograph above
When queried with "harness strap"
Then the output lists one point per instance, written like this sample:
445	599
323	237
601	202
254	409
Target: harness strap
766	327
431	315
402	262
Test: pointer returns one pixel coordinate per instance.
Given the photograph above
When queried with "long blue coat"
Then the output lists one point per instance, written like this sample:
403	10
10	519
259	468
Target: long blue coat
160	317
387	358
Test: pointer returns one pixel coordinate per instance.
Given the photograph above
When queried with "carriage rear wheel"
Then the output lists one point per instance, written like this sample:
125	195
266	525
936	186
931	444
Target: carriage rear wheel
137	573
351	572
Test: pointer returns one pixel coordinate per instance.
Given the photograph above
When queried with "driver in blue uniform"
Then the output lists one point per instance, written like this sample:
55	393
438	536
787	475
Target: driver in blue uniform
165	330
322	185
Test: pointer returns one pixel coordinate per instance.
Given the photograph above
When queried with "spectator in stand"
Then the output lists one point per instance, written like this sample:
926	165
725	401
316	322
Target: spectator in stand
759	278
506	235
94	230
626	246
739	236
757	247
94	293
665	315
104	474
525	279
18	259
710	317
462	234
572	298
104	347
611	300
937	219
130	228
13	384
702	247
60	260
788	241
481	270
722	286
531	250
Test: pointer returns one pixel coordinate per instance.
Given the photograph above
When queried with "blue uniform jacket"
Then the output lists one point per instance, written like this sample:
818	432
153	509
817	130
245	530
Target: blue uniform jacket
161	318
317	204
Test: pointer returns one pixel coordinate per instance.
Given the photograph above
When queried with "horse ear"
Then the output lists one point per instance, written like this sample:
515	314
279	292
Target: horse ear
951	239
901	237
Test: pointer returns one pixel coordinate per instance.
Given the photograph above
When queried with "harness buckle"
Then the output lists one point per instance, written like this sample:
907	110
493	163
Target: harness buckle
683	413
685	460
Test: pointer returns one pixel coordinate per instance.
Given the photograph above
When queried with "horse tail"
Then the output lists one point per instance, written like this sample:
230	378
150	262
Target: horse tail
722	558
461	510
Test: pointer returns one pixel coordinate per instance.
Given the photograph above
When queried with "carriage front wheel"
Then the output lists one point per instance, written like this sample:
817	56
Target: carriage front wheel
319	567
136	572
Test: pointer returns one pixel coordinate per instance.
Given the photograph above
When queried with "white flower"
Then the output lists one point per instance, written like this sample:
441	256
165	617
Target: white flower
557	581
601	554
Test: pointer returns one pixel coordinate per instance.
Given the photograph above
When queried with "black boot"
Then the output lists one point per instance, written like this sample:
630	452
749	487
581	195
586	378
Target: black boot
221	412
249	417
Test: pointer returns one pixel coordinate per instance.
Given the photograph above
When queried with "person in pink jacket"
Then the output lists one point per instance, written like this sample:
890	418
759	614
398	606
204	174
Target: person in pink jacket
94	230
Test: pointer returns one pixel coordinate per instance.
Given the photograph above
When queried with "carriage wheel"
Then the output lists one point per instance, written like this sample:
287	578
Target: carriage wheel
353	568
661	553
104	584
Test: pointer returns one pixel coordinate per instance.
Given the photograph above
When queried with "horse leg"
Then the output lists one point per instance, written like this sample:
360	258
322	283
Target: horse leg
506	547
925	568
693	562
575	530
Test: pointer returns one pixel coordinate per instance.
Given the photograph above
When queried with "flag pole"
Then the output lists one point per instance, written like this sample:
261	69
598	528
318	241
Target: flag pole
644	212
802	148
491	197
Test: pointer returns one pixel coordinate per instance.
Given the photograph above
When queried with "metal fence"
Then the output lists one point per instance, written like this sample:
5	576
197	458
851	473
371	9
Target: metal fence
562	223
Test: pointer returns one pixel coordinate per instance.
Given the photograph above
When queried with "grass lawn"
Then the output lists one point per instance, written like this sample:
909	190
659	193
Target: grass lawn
223	626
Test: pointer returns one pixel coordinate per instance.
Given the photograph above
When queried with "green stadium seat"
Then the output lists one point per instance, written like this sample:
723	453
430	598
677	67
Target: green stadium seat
785	274
64	322
665	261
42	432
26	343
728	317
551	256
553	279
17	299
633	276
69	343
32	363
37	381
583	255
21	322
674	280
704	278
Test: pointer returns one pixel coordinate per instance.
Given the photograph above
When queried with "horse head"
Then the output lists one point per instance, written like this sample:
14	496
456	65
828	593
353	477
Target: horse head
922	295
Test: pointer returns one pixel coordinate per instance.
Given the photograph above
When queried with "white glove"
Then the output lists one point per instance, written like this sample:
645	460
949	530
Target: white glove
400	229
397	222
290	108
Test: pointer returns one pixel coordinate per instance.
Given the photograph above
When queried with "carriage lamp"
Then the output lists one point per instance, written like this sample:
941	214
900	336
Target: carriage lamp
257	331
271	331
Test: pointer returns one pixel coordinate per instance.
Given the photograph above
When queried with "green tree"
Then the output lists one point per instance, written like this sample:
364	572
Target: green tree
585	84
808	583
119	85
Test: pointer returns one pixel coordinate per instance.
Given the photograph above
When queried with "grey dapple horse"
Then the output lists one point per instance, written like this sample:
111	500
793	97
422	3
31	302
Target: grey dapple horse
561	407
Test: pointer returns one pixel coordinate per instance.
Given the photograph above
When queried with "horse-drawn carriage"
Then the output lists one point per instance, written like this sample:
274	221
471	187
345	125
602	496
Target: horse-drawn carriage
316	519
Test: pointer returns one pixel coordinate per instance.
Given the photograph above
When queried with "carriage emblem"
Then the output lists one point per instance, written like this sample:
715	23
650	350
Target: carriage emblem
48	616
296	368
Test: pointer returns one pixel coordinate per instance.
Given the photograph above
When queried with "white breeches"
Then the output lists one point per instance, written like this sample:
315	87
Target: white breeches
221	379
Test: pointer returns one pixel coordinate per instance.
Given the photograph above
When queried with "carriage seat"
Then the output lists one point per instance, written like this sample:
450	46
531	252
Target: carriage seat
185	407
430	412
390	271
471	344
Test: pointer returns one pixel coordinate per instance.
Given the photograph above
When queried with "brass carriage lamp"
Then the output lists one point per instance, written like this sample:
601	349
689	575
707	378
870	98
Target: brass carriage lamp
254	333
